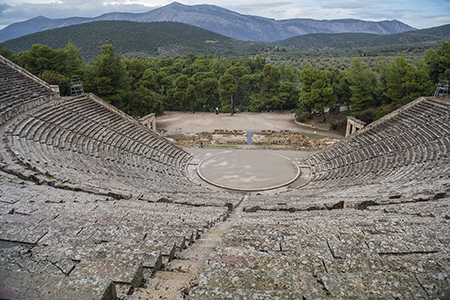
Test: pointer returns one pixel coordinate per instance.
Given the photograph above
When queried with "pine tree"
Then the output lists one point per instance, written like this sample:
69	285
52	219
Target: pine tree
143	102
108	77
363	83
438	62
317	92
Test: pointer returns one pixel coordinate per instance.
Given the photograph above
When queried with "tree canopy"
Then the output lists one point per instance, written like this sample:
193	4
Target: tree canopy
203	83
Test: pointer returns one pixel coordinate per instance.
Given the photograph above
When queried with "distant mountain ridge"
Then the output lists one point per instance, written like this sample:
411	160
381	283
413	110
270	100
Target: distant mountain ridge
218	20
321	41
137	39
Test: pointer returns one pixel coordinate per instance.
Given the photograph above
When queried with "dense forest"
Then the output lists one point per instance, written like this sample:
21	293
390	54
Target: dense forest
142	85
132	39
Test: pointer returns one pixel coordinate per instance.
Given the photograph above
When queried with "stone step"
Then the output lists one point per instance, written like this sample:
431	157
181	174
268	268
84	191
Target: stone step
24	285
127	274
185	266
166	285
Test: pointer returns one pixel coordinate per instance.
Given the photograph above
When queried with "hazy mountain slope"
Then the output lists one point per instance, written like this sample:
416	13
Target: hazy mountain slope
219	20
136	38
360	40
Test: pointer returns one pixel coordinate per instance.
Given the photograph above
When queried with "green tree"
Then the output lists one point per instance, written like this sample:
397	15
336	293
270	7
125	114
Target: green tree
382	67
135	69
143	102
41	58
8	54
228	88
363	84
191	96
182	84
289	73
341	88
395	79
405	82
108	77
149	80
317	92
54	78
289	95
74	65
438	62
270	85
418	82
209	91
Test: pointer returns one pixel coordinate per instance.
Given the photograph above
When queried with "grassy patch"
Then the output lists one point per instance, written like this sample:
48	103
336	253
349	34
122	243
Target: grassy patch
314	136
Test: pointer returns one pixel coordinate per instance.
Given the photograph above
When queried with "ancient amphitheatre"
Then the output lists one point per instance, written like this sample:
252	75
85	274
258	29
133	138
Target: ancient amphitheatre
96	206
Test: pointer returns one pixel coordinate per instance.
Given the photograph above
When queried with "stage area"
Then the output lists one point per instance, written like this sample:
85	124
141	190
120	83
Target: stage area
248	170
175	121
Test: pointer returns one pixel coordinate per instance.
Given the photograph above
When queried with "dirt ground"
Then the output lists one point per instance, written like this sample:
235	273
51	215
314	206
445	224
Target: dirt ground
202	121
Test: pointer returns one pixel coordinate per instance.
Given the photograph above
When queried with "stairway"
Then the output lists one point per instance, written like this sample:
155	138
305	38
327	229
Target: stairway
178	276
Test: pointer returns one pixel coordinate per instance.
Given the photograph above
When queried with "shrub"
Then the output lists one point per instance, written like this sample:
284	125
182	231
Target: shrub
337	124
367	115
303	117
227	109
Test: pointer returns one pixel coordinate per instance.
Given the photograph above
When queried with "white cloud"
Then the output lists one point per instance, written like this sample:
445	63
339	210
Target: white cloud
421	22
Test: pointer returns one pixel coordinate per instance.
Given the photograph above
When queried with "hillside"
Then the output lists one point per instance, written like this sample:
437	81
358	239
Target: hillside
136	39
219	20
362	40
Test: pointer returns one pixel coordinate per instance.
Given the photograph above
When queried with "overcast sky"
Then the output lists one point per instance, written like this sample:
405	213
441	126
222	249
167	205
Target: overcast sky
416	13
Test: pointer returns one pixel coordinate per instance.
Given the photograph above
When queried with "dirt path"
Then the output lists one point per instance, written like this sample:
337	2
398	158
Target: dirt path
249	121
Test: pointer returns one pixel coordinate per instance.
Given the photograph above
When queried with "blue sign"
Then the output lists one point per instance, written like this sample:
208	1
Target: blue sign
249	137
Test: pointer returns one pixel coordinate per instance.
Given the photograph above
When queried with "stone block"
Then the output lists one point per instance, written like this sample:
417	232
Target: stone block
392	285
113	270
24	285
18	228
435	284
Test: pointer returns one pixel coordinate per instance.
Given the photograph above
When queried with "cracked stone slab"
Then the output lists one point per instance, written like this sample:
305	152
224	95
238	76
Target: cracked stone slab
418	263
347	248
343	285
18	257
114	270
389	246
23	285
20	229
356	263
435	284
397	285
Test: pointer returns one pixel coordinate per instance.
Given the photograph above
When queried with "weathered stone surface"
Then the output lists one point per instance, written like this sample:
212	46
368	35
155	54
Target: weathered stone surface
113	270
24	285
166	285
80	208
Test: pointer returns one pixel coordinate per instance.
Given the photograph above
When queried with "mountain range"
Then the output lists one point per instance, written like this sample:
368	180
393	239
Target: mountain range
137	39
218	20
362	40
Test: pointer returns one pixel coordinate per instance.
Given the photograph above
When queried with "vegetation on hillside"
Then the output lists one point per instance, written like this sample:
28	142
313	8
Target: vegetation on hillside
133	39
325	41
192	82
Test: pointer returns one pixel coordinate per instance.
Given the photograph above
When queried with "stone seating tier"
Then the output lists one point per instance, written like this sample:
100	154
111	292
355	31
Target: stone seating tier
77	145
20	90
78	235
380	253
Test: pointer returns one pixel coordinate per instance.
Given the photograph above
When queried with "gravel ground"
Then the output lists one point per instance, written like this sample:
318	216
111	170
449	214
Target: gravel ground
249	121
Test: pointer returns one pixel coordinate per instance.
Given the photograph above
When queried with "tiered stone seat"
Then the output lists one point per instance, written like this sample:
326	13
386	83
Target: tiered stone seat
20	90
105	150
97	238
112	204
405	152
399	251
